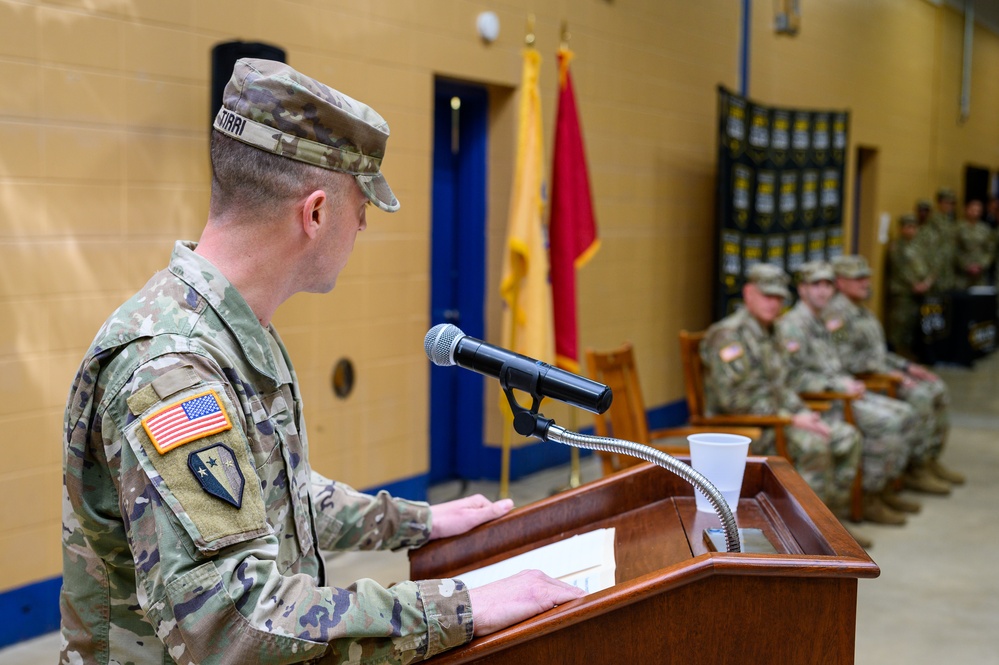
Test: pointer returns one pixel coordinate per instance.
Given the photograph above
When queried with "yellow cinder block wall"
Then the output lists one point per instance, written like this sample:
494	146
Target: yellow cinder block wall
103	164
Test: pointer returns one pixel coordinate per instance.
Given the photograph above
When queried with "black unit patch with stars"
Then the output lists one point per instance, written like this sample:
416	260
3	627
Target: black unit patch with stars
218	473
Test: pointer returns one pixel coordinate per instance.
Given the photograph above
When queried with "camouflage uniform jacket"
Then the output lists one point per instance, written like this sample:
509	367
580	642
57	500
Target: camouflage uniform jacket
976	245
937	239
813	363
908	267
192	520
859	338
746	369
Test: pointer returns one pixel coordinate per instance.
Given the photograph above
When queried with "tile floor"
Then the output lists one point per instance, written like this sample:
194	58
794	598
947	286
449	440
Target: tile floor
937	599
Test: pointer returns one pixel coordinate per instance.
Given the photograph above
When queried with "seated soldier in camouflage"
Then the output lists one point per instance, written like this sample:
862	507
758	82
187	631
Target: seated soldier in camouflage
193	523
887	425
746	372
860	344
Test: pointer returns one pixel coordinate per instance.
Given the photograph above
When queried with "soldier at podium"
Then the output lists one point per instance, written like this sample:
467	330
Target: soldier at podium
746	372
193	521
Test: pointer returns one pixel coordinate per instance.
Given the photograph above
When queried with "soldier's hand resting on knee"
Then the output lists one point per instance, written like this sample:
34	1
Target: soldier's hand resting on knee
810	420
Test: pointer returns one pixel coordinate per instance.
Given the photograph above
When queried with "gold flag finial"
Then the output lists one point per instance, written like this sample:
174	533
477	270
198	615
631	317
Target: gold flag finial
564	42
529	37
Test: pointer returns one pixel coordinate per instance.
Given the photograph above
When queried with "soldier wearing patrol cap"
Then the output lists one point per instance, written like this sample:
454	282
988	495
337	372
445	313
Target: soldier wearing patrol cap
909	280
860	343
193	522
976	247
922	210
887	425
747	372
938	241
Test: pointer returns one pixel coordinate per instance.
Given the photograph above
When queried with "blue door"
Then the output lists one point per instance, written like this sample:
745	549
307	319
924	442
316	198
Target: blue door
458	270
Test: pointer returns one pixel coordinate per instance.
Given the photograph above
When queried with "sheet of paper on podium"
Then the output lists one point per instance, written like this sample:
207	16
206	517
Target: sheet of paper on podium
585	561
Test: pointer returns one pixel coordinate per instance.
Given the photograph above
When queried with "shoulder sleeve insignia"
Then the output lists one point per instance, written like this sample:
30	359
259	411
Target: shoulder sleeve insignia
792	346
217	471
188	420
731	352
832	325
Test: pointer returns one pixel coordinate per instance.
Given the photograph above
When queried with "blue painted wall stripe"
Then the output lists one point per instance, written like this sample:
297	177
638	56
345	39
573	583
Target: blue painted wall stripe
29	611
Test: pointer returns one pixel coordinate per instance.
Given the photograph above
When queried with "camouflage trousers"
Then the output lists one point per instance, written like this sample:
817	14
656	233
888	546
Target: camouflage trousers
829	466
890	433
902	321
931	402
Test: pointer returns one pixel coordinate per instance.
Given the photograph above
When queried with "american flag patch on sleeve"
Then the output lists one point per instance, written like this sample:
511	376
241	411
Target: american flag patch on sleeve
188	420
731	352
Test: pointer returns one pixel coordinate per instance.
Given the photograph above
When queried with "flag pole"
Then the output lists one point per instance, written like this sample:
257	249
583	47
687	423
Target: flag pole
572	230
504	488
574	466
574	470
507	444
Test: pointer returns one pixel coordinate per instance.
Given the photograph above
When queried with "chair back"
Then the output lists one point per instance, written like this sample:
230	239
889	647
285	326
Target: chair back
625	419
693	373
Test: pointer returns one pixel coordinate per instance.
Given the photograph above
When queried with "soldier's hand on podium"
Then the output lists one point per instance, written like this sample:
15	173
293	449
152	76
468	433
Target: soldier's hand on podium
458	516
511	600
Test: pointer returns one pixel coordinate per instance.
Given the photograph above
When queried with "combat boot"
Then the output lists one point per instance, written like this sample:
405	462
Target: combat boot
876	511
895	502
943	473
919	479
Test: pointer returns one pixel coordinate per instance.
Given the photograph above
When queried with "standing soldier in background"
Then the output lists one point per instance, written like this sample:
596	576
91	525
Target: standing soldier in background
976	247
938	240
746	373
909	280
992	213
887	425
860	344
991	219
922	212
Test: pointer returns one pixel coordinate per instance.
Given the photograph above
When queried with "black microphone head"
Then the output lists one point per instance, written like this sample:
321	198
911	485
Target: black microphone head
440	342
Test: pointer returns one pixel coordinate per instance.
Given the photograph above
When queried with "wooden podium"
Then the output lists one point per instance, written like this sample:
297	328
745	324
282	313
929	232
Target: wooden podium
674	601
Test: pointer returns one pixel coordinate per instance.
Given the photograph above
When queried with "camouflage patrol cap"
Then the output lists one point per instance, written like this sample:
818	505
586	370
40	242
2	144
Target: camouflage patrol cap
851	267
924	204
769	279
946	193
815	271
270	106
908	219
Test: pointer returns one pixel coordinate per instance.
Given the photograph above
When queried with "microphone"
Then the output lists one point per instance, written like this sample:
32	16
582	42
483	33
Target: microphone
446	345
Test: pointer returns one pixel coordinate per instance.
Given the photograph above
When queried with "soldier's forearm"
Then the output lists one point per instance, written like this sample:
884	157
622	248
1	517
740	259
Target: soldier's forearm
347	519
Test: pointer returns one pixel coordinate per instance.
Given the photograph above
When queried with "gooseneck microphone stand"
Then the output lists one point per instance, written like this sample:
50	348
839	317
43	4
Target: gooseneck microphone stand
528	422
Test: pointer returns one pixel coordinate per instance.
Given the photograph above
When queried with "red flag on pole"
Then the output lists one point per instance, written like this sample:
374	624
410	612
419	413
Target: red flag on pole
573	228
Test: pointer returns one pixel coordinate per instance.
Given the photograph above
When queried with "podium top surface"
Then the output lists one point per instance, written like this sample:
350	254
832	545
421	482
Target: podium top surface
659	544
660	529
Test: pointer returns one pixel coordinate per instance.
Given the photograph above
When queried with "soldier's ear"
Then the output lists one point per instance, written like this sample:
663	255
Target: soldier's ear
313	213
